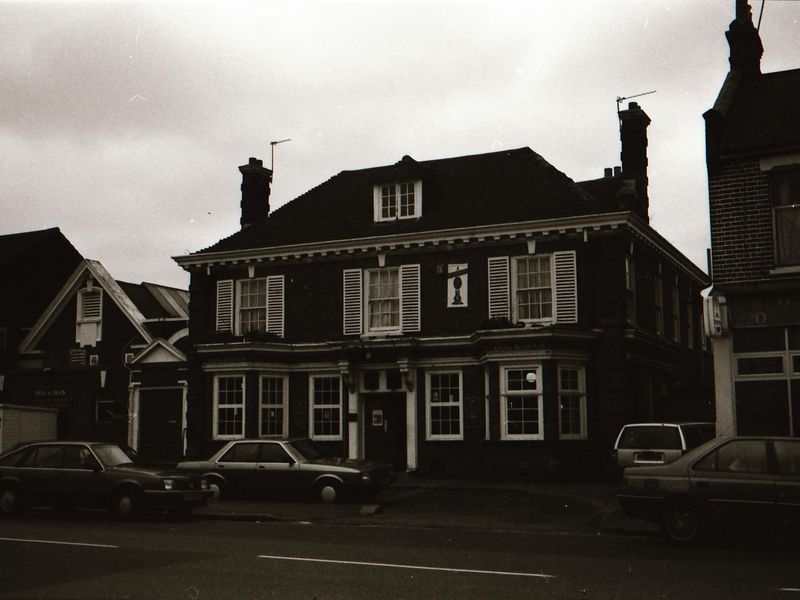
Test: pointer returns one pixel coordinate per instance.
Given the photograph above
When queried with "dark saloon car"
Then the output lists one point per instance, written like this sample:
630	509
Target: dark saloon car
735	481
281	467
69	475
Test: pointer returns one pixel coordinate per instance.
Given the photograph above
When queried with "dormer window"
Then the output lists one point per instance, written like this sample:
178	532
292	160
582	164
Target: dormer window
395	201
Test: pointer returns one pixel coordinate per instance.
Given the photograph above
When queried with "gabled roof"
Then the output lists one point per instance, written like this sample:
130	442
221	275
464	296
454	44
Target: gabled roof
483	189
764	114
14	245
131	299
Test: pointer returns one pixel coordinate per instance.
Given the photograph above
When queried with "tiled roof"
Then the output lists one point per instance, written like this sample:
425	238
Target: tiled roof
484	189
765	114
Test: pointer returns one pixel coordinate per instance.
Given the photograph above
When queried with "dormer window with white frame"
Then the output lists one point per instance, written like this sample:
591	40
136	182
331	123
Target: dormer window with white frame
395	201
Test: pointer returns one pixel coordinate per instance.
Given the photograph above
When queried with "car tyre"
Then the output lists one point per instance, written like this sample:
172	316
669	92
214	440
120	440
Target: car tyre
329	491
682	523
217	490
127	505
10	501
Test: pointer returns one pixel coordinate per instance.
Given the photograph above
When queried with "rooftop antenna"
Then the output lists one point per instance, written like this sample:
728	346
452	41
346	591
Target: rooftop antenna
272	159
621	99
761	14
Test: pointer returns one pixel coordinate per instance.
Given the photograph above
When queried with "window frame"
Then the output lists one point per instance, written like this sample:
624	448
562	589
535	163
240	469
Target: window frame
81	309
368	274
283	405
216	406
429	404
580	393
378	198
790	172
676	313
514	289
505	394
630	289
262	308
658	303
313	408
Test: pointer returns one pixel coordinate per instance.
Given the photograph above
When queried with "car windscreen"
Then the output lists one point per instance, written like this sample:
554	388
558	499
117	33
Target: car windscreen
111	455
650	436
309	450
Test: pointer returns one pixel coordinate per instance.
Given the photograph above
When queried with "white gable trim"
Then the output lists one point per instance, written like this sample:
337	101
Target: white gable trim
101	277
159	351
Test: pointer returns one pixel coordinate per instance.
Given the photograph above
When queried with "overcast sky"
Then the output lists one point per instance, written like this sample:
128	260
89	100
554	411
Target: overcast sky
124	123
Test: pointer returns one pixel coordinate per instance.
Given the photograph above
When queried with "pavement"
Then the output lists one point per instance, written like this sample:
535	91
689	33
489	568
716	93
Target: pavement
585	508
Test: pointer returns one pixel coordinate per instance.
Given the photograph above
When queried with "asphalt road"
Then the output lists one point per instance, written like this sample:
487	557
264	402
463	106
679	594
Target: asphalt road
93	557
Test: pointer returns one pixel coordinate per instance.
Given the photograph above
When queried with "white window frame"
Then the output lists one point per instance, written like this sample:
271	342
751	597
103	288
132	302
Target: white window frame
395	215
93	318
514	290
283	405
505	394
368	275
313	407
261	306
778	212
216	408
580	393
457	403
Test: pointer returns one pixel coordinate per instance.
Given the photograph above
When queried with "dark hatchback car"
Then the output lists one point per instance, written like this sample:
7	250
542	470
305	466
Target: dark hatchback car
730	481
68	475
288	467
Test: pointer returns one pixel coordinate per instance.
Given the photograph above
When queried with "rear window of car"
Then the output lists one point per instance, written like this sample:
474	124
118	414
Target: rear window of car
650	436
12	459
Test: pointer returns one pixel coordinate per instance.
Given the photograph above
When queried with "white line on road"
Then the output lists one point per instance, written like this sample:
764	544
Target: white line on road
397	566
789	590
5	539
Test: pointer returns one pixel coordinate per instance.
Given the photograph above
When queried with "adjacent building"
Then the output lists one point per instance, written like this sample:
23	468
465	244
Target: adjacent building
753	157
481	315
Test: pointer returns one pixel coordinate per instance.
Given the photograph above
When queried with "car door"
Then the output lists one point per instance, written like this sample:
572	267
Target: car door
82	479
239	468
43	476
277	472
736	483
787	482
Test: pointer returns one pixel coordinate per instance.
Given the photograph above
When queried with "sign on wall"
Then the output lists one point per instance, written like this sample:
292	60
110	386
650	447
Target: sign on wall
457	285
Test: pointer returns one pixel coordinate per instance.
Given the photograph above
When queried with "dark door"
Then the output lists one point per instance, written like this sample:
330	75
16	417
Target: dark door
385	428
160	425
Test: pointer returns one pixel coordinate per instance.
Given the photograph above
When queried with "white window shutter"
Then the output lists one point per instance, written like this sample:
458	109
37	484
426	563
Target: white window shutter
410	308
499	292
352	301
275	304
225	305
566	296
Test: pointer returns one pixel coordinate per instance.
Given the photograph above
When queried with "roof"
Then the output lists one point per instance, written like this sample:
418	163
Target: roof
157	301
482	189
764	114
15	245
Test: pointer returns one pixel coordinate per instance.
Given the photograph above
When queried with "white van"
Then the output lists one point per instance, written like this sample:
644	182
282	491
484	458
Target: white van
659	443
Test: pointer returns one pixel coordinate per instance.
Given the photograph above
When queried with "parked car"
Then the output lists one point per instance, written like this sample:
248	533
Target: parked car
295	466
93	475
732	480
659	443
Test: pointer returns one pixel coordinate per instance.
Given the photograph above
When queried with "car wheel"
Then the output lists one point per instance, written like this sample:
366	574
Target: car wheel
682	523
127	505
328	491
215	485
10	501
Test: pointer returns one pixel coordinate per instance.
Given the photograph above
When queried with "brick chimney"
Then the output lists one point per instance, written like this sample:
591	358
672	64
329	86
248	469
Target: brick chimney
256	180
633	124
744	42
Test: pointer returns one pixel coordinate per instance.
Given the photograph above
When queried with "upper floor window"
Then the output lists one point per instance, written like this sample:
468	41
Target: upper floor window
658	301
785	189
630	289
538	288
394	201
383	299
251	305
676	314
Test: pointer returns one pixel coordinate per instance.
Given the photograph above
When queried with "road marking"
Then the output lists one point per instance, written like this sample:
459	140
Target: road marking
398	566
789	589
5	539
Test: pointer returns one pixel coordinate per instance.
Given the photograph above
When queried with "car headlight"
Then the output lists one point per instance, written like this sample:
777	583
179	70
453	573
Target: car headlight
203	484
169	484
366	477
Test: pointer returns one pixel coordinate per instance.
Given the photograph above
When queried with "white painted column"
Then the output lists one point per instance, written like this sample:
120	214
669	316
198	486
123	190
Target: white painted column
411	422
184	417
353	439
725	400
133	415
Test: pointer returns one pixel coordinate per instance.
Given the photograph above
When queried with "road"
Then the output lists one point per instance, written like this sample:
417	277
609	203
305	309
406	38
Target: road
93	557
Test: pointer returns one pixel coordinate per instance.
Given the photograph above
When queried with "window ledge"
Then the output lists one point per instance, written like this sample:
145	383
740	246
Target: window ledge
785	270
379	335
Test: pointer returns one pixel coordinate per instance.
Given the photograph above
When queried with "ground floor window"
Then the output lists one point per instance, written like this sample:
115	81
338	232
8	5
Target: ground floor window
444	406
767	380
572	402
326	407
273	421
521	403
228	407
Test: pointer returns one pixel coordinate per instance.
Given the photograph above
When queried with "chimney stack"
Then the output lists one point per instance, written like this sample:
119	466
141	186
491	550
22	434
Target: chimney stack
744	42
633	124
256	180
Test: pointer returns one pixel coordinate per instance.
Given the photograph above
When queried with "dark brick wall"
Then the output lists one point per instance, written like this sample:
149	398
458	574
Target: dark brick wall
741	223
